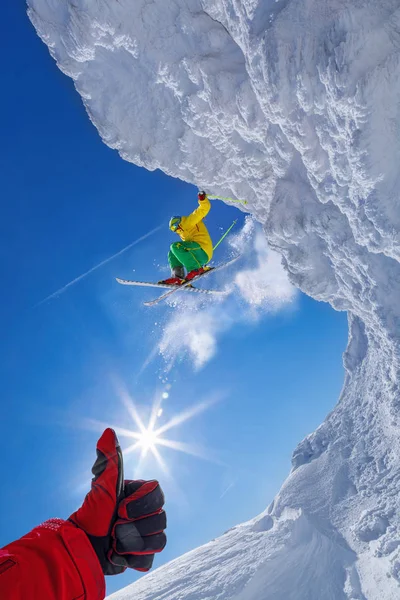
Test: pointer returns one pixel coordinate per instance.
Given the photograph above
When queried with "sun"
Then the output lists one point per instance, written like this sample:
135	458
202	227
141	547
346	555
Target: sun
149	438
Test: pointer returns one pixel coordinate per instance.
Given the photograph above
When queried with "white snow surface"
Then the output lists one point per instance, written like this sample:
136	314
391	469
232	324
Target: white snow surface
293	105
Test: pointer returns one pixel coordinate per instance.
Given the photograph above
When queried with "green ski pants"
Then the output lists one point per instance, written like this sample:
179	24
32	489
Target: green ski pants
187	254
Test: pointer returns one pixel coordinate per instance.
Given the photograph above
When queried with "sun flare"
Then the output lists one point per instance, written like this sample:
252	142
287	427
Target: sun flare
149	438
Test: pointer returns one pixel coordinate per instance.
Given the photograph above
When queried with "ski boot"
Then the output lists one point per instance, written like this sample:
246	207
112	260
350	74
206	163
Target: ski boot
177	277
196	273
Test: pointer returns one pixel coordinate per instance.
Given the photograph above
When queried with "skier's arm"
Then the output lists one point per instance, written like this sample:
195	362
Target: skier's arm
120	525
198	214
55	561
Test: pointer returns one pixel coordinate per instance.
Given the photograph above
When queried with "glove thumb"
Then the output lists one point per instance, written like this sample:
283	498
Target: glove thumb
98	511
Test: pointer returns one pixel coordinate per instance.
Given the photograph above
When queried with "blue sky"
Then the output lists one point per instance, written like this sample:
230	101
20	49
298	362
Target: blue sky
68	203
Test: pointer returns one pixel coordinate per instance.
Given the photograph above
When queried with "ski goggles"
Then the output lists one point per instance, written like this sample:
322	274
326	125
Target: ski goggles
174	223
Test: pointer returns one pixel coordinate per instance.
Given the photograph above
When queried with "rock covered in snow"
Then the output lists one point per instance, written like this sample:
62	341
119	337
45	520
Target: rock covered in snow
293	105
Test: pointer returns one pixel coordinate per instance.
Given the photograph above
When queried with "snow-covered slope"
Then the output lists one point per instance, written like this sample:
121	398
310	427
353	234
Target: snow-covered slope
293	105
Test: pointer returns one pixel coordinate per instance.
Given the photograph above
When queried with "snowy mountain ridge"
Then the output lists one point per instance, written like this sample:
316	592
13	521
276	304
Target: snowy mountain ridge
293	105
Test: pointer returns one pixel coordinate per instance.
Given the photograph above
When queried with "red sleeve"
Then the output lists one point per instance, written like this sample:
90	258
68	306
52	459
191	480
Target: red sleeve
55	561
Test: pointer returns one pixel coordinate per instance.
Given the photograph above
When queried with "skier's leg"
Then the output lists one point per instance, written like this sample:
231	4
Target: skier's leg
177	268
190	254
200	257
177	271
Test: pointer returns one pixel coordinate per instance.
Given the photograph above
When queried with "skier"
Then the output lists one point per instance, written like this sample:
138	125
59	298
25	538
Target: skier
195	250
119	525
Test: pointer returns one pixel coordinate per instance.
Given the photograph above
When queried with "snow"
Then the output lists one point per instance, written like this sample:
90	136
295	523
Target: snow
292	105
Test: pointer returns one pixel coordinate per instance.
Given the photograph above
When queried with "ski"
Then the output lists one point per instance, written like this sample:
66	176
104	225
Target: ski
166	286
189	283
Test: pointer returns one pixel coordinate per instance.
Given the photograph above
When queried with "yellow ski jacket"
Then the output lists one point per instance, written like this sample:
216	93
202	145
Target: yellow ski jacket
192	228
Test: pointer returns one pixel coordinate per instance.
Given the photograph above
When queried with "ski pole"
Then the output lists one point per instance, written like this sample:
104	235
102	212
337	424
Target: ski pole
228	199
225	234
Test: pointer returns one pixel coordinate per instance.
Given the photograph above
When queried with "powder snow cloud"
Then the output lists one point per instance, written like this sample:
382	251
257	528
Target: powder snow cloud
261	287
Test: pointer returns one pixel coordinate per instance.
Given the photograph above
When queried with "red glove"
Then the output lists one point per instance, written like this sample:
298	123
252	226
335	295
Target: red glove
201	196
123	520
